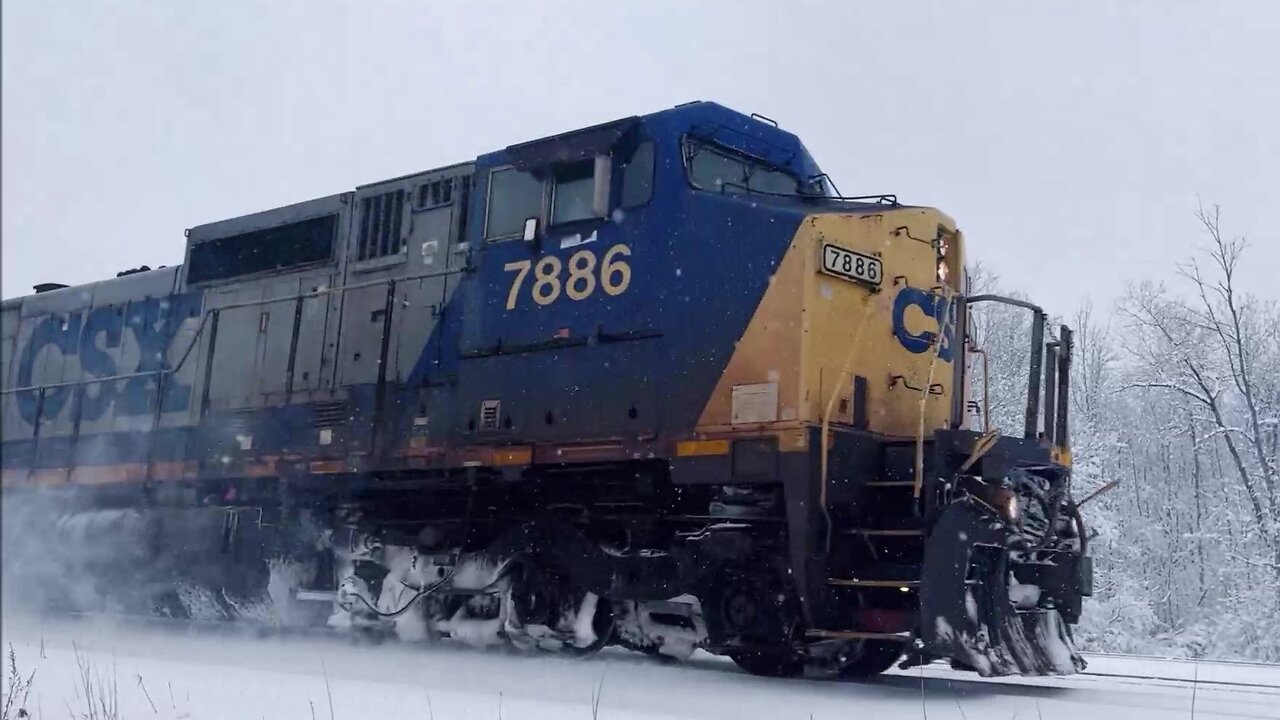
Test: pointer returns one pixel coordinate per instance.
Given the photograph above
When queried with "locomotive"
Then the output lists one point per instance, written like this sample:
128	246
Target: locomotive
652	383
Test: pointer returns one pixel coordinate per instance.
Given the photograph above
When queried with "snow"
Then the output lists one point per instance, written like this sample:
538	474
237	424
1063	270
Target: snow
203	675
1024	596
583	632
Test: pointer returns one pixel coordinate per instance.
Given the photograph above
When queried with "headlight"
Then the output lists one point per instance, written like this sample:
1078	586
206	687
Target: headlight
1012	510
1006	505
1001	500
942	248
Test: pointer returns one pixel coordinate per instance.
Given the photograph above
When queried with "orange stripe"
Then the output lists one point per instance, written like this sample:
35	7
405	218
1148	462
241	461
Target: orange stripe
522	455
175	470
474	456
325	467
260	469
55	476
694	448
105	474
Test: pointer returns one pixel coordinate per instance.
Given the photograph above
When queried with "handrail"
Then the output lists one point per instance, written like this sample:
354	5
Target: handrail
943	326
1031	424
868	305
986	387
1006	300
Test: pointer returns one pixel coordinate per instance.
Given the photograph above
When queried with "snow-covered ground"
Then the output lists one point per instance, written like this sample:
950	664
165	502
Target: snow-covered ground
167	675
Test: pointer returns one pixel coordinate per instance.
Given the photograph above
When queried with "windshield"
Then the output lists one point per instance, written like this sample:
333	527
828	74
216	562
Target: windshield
720	170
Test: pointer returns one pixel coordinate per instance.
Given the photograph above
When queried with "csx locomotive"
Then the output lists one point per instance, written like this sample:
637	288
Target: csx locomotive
652	383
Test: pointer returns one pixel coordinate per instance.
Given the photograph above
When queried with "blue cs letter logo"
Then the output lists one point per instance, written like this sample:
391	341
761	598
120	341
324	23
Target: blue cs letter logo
932	306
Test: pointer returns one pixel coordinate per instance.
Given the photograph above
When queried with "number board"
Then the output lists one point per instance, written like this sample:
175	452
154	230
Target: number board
849	265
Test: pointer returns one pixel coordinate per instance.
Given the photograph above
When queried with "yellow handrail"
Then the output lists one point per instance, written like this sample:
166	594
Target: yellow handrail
831	402
947	293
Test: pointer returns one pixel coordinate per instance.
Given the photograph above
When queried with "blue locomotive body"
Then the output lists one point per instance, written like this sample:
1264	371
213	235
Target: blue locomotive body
550	392
429	323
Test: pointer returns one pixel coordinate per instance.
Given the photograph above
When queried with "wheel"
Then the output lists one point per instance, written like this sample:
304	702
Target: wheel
868	658
770	662
541	597
169	605
764	617
602	625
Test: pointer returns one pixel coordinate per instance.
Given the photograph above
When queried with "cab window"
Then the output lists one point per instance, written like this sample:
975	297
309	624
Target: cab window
571	199
721	171
710	170
637	177
514	196
775	182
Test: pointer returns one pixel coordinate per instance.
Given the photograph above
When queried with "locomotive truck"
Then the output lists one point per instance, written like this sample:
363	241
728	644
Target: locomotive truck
652	383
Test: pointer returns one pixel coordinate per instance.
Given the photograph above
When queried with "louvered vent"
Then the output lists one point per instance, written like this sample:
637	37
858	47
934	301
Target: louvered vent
489	411
328	414
380	220
436	193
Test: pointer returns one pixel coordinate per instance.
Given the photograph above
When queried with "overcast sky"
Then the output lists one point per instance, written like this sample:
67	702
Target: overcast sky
1069	140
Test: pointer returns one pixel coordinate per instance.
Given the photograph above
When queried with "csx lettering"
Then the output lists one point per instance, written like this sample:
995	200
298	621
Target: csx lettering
153	323
933	306
580	282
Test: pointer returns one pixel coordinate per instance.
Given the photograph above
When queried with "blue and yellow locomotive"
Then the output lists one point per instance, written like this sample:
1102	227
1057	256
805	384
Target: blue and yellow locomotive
651	383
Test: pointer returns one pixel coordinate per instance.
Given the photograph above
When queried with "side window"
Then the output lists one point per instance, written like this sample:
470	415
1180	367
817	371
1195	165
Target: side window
773	182
574	190
637	177
709	170
513	197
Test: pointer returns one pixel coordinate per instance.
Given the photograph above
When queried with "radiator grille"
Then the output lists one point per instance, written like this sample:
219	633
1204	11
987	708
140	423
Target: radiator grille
380	219
328	414
436	193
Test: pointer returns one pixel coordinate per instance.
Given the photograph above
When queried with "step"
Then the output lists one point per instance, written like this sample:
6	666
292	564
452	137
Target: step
861	582
906	532
891	483
857	635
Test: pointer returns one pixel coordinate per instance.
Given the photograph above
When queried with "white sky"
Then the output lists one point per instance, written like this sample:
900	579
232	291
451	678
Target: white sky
1070	140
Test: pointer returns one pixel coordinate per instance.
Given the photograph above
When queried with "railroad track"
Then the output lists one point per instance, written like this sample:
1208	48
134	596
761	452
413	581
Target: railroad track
1185	661
1182	679
252	629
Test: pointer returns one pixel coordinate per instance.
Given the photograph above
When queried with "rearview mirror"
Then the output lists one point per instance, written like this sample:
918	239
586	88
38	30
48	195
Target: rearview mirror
530	229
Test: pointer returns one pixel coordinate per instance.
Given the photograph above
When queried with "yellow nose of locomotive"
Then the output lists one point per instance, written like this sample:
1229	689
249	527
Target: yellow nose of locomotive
857	327
879	314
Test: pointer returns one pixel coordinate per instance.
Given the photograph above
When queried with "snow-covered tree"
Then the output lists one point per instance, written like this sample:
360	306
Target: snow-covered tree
1176	395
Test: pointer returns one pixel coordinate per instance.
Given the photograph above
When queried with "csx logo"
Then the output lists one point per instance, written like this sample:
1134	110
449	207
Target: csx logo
933	306
153	323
